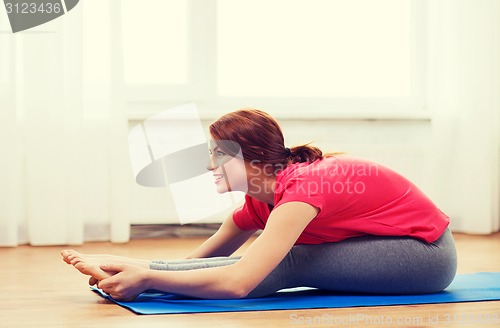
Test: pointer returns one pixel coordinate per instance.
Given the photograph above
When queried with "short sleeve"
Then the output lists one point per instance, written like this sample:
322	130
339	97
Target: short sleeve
251	215
302	189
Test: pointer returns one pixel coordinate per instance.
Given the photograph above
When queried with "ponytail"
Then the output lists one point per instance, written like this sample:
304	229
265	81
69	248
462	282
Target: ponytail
305	153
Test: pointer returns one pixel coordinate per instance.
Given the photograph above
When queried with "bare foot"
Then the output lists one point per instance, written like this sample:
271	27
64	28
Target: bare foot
73	257
93	270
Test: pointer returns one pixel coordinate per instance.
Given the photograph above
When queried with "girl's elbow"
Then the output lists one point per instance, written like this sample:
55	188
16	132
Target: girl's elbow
232	294
238	283
227	292
238	289
241	292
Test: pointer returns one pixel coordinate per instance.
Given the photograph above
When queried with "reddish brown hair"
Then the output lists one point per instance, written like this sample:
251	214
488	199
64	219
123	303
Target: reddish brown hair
260	138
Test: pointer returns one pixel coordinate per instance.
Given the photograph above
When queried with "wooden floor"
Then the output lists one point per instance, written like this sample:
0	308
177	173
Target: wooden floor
39	290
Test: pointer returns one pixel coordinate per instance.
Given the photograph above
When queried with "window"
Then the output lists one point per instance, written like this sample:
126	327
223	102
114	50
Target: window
358	58
154	38
324	48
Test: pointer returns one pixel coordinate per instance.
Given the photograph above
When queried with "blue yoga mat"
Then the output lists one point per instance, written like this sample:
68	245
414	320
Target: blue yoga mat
484	286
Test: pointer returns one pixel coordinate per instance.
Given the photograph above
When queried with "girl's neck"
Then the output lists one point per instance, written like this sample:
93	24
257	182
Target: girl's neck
262	189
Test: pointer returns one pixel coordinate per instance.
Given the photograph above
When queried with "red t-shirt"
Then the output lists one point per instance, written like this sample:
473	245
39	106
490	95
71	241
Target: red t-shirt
355	197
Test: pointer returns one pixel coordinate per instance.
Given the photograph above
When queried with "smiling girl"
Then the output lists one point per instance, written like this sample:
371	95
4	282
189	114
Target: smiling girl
331	222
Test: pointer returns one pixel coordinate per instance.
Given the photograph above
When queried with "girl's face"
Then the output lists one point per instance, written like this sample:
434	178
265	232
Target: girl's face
229	171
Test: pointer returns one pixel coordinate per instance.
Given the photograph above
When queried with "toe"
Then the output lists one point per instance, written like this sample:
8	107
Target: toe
75	260
66	254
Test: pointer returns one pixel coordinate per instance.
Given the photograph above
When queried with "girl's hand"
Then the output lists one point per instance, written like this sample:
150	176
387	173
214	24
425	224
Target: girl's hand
127	282
93	281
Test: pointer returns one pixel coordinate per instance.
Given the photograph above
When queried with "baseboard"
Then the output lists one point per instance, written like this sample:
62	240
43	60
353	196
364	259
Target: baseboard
159	231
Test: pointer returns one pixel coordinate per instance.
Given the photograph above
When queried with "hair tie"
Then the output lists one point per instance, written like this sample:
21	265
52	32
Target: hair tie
288	152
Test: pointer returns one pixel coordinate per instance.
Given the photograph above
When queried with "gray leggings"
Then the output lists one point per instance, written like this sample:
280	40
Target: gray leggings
368	264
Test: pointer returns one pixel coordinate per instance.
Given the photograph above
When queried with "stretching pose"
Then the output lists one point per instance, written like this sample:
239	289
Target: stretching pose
329	221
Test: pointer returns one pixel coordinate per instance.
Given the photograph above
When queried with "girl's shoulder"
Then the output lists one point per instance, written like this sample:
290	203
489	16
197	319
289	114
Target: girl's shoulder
339	162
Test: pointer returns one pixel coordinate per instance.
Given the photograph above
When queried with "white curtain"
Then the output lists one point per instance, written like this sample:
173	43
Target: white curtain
464	90
64	174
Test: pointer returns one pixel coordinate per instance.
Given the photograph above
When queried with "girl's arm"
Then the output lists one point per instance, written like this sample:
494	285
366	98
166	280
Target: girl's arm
224	242
284	226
